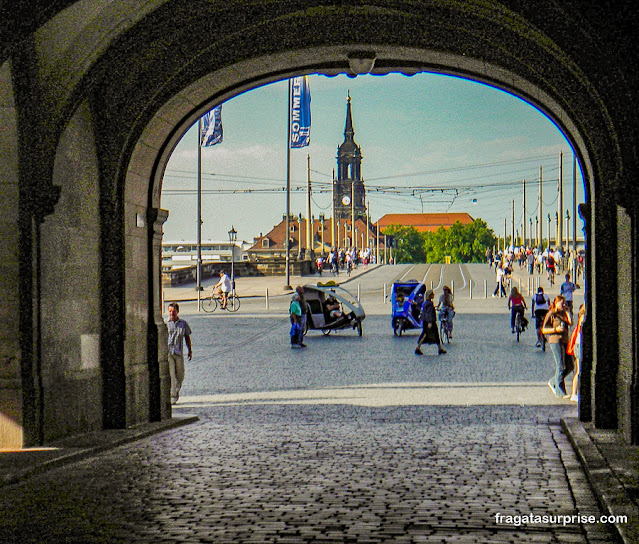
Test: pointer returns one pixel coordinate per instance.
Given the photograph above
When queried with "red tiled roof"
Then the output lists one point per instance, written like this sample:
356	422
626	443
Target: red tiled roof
424	221
277	235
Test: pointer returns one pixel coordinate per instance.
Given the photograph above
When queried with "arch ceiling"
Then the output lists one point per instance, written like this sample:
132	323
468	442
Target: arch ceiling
151	70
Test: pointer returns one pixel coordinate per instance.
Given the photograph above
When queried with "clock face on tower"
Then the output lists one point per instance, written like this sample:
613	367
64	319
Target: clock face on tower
346	200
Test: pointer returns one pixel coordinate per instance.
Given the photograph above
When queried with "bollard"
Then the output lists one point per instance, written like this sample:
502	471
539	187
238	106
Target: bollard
431	285
452	286
470	289
358	292
485	288
384	294
266	298
519	284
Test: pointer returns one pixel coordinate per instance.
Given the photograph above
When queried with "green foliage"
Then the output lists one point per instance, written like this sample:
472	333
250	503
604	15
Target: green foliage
464	243
409	244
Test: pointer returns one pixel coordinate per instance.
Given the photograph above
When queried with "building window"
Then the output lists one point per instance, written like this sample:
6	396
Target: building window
265	242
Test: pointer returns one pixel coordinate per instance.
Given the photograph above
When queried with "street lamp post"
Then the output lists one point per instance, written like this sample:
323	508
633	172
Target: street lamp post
232	240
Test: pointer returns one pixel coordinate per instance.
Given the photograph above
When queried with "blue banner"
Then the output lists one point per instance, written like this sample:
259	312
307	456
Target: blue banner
211	127
300	113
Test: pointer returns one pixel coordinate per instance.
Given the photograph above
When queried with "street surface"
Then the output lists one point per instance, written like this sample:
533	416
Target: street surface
349	440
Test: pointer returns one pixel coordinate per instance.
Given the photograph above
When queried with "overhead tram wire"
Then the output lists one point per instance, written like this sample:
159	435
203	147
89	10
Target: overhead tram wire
171	173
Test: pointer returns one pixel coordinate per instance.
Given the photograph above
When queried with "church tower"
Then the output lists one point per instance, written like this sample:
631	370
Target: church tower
349	184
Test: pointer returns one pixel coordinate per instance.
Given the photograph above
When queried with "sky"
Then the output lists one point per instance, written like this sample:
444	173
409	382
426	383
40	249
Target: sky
430	143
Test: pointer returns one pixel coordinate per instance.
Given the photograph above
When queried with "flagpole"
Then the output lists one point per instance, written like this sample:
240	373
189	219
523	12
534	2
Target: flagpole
333	244
309	235
199	212
288	190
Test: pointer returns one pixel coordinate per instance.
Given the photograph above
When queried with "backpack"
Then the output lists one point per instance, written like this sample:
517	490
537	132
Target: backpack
540	299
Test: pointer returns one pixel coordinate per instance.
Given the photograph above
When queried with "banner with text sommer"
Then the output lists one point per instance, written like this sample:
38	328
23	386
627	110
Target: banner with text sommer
300	113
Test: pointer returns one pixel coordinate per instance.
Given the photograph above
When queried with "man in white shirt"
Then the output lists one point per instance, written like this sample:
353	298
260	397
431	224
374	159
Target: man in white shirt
179	332
223	287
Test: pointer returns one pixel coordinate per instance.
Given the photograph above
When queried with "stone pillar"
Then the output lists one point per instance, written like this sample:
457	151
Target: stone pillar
11	416
627	342
605	316
585	379
159	378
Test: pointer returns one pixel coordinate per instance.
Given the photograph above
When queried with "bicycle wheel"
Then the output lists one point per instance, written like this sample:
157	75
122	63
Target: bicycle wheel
518	326
233	303
209	304
443	332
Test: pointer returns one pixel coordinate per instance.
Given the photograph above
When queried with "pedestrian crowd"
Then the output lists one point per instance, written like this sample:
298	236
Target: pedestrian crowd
554	322
345	259
535	261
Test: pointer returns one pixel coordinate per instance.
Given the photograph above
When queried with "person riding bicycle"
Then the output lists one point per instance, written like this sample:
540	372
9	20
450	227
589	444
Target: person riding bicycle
223	287
550	266
446	308
517	305
540	306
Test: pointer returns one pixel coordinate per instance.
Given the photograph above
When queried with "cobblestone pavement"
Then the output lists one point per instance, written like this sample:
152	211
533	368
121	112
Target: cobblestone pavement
298	474
350	440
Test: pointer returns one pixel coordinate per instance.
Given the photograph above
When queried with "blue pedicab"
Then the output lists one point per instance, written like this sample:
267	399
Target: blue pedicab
406	300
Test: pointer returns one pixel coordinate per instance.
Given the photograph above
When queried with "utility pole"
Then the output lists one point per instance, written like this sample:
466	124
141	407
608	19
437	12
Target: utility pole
512	240
531	233
523	230
353	237
567	231
333	245
368	221
560	200
377	242
574	204
558	234
505	233
540	233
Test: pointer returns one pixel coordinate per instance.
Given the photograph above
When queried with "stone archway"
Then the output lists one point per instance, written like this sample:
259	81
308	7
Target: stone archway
140	79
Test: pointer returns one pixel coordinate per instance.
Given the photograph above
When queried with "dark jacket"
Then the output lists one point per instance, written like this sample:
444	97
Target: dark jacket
428	312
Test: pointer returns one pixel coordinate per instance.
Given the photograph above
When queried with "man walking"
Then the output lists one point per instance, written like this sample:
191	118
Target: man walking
179	331
566	290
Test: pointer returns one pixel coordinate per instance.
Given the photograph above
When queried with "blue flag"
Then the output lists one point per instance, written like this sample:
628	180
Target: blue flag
211	127
300	111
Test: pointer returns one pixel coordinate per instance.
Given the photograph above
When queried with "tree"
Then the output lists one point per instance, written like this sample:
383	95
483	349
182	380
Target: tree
409	244
463	243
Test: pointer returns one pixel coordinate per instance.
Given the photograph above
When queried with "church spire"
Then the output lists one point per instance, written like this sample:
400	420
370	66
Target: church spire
349	133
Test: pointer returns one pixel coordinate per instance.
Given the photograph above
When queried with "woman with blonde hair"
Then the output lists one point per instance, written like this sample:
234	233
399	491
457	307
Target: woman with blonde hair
556	327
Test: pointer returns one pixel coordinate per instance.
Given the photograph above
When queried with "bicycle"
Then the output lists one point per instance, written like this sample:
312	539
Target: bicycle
518	326
444	332
211	303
